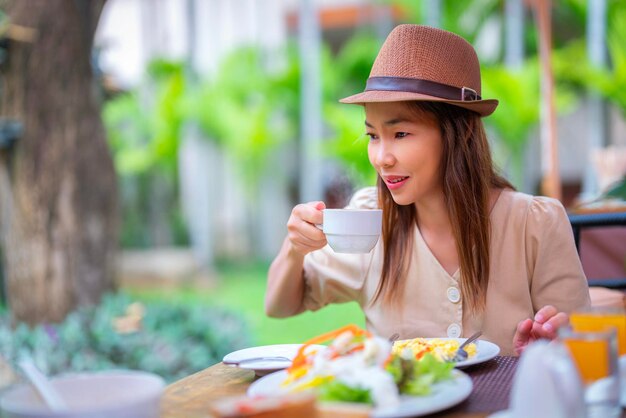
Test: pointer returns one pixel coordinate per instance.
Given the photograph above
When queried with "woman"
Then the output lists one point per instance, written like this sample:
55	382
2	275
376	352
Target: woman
461	251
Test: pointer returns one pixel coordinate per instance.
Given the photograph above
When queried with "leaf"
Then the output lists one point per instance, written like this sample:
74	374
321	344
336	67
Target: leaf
334	391
617	190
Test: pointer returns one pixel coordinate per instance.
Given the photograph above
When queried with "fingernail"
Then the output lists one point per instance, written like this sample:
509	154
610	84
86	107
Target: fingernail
548	327
539	317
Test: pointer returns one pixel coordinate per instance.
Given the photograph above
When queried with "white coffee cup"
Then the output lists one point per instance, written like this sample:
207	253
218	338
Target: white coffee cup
352	230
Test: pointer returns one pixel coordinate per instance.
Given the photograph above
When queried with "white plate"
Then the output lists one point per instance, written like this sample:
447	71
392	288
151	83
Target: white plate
444	395
263	367
485	351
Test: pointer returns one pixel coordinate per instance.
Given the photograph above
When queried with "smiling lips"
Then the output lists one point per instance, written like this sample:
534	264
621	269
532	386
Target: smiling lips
395	182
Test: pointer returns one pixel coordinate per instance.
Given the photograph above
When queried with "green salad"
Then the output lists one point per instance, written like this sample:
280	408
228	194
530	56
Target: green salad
412	377
360	367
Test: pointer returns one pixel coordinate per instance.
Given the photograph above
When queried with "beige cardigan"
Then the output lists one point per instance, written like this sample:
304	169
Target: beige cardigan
533	263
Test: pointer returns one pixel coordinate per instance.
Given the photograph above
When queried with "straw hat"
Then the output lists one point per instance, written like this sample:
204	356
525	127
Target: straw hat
426	64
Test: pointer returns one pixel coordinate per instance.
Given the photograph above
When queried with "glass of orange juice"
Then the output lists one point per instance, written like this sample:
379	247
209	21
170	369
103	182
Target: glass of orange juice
595	356
598	318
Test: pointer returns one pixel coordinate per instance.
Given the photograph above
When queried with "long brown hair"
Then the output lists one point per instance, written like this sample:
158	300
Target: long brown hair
468	175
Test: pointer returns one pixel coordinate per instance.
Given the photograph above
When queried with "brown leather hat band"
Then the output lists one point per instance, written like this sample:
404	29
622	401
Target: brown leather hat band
416	85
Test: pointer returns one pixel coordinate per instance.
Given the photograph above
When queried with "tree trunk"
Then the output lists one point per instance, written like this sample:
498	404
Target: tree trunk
58	191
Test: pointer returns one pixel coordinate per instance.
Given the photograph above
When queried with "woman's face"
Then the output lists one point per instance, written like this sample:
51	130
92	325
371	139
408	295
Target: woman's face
405	148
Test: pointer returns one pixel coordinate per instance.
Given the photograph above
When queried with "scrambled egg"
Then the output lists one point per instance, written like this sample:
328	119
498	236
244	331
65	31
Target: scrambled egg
440	348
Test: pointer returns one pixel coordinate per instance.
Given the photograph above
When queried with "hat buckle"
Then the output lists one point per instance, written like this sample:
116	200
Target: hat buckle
469	94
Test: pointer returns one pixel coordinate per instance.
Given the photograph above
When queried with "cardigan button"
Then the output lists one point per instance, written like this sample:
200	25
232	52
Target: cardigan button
454	331
454	295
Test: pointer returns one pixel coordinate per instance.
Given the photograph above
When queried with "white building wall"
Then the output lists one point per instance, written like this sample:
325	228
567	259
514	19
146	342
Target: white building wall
132	31
119	38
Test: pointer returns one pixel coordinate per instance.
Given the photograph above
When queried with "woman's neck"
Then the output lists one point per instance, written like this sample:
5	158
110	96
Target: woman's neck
436	230
432	215
432	212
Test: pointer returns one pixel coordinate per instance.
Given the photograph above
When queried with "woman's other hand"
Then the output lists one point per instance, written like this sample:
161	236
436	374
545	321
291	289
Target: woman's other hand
302	232
545	325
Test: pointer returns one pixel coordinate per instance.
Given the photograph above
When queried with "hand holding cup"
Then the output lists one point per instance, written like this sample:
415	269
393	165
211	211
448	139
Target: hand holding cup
302	232
311	226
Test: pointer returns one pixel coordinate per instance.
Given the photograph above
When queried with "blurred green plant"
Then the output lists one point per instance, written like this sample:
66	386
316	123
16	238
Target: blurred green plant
464	18
347	142
617	190
572	64
612	83
172	341
143	125
143	128
247	109
517	112
469	17
518	93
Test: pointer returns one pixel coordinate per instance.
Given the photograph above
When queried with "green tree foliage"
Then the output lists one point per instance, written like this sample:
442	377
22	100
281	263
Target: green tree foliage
347	142
517	112
462	17
573	67
247	109
143	127
467	18
612	83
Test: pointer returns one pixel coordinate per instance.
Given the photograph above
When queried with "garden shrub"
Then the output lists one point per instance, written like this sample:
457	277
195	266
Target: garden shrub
170	340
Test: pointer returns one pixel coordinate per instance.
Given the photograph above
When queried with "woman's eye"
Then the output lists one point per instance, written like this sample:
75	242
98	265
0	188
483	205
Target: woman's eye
371	135
401	134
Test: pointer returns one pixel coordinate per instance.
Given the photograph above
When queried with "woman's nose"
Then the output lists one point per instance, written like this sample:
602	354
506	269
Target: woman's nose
384	156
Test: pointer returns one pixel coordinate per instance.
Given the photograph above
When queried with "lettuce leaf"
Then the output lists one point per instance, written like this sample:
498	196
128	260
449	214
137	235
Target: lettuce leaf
416	377
413	377
334	391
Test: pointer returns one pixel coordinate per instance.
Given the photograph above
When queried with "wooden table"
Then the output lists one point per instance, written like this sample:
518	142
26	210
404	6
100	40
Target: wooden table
190	397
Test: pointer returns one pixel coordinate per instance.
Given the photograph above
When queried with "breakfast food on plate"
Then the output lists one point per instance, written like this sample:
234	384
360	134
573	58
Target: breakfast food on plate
343	410
359	367
285	406
293	405
441	348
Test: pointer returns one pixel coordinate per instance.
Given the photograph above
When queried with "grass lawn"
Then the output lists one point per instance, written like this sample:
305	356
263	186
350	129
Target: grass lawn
242	288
